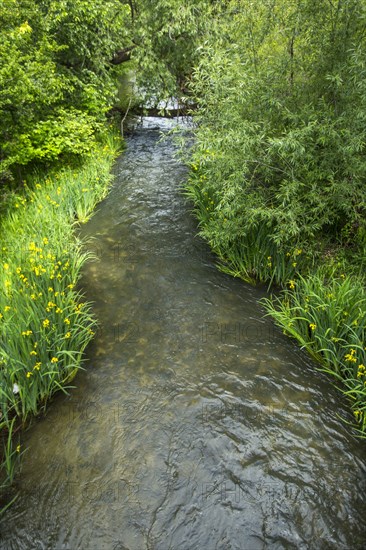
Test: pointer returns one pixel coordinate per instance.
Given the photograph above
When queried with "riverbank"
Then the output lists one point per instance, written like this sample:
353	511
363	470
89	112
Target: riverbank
322	303
44	323
278	173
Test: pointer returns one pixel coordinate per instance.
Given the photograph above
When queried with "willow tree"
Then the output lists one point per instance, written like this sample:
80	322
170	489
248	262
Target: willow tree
164	39
281	135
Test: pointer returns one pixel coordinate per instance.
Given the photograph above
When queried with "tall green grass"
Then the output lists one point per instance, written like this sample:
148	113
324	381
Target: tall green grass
45	324
327	316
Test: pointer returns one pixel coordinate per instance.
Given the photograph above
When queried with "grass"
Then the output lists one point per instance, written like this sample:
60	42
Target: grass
45	325
257	258
327	316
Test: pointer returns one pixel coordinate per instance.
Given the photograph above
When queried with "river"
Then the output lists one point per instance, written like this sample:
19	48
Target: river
196	424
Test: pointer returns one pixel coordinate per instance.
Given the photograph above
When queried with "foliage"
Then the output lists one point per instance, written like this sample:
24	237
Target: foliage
327	315
44	323
56	80
59	68
280	134
279	167
165	35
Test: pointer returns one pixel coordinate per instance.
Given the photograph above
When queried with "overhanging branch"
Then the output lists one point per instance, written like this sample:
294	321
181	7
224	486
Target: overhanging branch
122	55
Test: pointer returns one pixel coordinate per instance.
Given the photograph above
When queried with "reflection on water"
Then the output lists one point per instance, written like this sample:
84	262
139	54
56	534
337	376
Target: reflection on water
197	424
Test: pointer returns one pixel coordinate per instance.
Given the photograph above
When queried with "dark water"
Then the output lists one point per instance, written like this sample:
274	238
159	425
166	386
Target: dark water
196	425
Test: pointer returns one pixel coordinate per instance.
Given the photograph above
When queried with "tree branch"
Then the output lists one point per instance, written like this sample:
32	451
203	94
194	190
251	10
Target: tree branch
122	55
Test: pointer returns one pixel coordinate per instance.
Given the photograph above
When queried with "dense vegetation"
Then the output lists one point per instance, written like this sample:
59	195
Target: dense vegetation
61	65
277	168
55	159
45	324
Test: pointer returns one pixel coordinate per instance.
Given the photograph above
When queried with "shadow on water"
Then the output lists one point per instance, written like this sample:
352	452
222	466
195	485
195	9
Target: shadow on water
197	424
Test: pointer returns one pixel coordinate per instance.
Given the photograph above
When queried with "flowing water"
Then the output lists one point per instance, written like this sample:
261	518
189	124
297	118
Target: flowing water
197	425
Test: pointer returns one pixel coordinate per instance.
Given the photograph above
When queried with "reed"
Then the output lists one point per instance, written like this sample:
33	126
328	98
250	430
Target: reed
327	316
45	324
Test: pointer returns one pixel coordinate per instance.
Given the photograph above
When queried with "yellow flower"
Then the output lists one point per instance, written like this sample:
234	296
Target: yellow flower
294	264
37	366
27	332
1	315
350	357
6	267
361	371
46	323
68	335
7	308
67	321
45	240
54	360
18	448
33	352
24	28
58	310
312	326
29	374
292	284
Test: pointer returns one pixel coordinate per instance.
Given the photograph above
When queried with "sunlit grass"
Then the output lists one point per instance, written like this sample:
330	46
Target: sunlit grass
45	324
327	316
